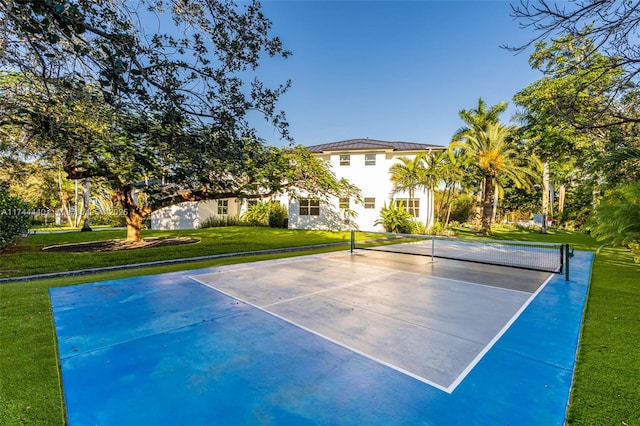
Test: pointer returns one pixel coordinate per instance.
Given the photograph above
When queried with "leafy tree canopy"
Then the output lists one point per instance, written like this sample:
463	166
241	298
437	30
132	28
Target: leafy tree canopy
570	112
612	28
197	68
101	91
617	218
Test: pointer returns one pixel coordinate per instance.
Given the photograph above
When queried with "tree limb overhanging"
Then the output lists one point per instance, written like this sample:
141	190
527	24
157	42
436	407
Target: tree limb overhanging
612	29
94	89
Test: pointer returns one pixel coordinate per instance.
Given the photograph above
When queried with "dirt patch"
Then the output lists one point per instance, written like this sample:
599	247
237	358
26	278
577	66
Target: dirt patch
116	245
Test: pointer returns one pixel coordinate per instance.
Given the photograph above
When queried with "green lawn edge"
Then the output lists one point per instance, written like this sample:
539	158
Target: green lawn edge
605	388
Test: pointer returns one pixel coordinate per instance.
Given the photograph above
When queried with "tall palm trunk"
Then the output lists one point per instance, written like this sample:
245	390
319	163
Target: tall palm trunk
494	210
487	206
545	196
477	211
411	205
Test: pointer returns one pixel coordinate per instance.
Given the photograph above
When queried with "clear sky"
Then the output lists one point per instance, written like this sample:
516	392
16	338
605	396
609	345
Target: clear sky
392	70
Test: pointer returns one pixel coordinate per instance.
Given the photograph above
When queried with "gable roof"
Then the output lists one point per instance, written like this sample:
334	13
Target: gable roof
372	144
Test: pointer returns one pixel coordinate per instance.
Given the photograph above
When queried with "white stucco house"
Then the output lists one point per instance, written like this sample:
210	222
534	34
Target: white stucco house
365	163
192	214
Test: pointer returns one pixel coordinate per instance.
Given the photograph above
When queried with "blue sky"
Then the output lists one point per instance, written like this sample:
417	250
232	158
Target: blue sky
391	70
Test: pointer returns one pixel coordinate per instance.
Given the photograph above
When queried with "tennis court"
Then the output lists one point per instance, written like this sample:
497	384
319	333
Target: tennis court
367	337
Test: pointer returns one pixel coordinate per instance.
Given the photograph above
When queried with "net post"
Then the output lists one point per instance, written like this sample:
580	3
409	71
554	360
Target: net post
353	240
566	257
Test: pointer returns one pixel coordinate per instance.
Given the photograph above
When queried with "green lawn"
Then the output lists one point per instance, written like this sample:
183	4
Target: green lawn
605	392
27	257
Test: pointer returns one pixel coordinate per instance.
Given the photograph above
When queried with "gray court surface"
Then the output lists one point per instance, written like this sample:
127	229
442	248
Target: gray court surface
432	321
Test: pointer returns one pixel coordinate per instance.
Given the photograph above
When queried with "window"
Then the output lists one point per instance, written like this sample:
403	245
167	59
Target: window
309	207
412	205
345	160
344	203
369	159
223	206
369	203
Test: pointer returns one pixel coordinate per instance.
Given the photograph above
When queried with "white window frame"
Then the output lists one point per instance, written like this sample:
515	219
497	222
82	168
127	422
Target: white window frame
345	159
370	159
412	208
223	207
309	207
369	202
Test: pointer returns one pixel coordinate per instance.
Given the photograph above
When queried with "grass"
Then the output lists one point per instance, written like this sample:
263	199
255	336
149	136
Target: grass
605	389
27	257
607	377
30	384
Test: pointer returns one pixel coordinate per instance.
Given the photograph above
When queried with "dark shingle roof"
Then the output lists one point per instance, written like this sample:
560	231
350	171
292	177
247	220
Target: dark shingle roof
372	144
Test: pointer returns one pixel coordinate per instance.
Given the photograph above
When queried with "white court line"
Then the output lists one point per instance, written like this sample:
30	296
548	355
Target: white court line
497	337
453	384
302	296
330	339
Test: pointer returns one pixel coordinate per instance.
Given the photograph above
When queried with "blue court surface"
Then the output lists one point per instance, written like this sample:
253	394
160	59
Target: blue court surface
331	339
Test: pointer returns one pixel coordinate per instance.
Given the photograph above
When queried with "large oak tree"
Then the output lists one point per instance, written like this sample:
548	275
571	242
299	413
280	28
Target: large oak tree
154	96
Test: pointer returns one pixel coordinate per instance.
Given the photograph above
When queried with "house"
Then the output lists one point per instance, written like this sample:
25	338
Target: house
193	214
365	163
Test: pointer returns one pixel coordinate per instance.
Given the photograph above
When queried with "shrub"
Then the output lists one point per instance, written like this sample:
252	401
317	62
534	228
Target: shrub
462	208
112	220
419	228
219	221
277	215
394	218
437	228
616	220
266	213
15	218
258	214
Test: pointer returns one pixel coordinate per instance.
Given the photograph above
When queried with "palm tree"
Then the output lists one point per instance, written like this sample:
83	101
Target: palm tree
440	167
453	168
477	120
409	175
493	155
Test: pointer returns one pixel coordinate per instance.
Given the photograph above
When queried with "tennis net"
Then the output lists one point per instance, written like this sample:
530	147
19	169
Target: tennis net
546	257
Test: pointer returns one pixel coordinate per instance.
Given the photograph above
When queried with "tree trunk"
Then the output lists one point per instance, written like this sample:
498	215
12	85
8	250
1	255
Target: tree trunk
477	213
545	196
446	197
134	225
63	201
134	213
494	210
86	201
562	191
412	205
487	207
76	214
431	196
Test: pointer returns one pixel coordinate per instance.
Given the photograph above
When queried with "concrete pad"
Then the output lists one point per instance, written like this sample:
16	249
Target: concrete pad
217	360
428	327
